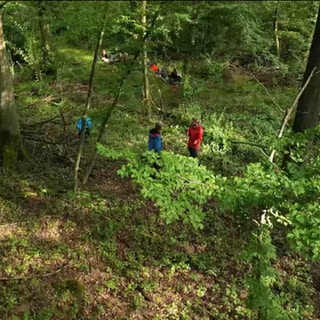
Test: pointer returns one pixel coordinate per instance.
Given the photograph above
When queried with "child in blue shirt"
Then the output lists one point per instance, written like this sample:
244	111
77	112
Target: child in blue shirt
155	139
88	126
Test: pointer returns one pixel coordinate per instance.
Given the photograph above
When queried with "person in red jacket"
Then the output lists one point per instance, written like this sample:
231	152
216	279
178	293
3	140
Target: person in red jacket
154	68
195	134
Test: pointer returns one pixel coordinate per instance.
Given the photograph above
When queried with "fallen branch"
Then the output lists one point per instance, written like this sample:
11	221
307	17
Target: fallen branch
35	275
8	224
53	99
250	143
268	93
265	89
265	154
43	141
22	223
40	123
289	112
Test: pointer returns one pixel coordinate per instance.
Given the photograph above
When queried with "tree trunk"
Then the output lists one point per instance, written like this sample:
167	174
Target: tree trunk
307	115
288	113
276	31
146	85
87	106
109	111
10	139
45	36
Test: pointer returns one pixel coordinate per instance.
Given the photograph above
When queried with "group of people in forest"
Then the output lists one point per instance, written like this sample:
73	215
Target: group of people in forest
173	78
113	58
194	134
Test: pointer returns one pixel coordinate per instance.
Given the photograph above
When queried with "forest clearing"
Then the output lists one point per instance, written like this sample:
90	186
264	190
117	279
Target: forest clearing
98	221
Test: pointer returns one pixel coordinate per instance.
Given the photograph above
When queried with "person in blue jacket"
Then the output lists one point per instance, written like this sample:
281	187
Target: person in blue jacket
155	139
155	142
88	126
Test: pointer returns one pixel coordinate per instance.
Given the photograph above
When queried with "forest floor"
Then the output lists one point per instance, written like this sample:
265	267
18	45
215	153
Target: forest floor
104	252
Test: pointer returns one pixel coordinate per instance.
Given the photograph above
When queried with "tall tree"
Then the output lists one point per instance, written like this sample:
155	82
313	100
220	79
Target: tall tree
276	30
45	34
308	111
87	106
10	139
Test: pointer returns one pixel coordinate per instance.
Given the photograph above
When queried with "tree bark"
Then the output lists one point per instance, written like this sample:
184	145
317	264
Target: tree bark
10	139
308	110
307	115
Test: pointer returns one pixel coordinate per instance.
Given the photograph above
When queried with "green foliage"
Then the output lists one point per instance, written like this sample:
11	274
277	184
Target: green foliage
79	24
296	23
184	193
260	253
114	240
190	29
270	292
209	69
15	29
10	156
33	55
305	227
182	186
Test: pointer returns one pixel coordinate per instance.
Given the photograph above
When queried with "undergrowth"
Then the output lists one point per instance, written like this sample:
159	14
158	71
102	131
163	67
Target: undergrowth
109	253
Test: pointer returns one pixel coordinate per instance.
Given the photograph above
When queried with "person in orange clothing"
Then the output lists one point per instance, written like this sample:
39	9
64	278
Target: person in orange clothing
195	135
154	68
